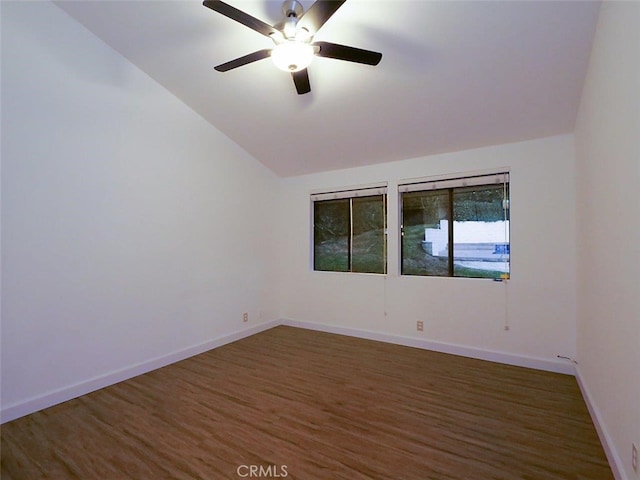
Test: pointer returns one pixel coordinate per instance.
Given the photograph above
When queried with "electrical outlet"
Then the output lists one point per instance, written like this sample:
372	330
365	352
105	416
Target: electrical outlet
420	326
245	317
634	457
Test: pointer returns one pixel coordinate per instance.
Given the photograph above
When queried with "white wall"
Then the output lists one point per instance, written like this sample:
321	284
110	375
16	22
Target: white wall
608	200
133	232
538	303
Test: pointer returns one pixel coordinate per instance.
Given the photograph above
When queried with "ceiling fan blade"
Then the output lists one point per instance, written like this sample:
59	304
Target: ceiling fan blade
350	54
238	62
301	80
240	17
318	13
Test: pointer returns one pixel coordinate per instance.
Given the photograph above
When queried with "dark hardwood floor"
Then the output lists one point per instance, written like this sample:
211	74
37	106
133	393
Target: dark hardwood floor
298	404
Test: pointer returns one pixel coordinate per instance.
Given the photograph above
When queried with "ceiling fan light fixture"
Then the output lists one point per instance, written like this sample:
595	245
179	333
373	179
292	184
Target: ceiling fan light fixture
292	56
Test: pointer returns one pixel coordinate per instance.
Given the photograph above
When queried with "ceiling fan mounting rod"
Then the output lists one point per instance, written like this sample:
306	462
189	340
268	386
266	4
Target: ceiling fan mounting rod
292	8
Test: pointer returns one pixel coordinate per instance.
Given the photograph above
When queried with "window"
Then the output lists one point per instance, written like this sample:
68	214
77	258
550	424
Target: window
456	227
350	231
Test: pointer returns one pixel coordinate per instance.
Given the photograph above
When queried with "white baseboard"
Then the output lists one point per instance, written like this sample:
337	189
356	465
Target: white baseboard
63	394
549	365
518	360
34	404
612	456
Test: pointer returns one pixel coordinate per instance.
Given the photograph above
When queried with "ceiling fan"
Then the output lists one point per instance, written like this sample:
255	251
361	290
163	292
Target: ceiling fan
294	48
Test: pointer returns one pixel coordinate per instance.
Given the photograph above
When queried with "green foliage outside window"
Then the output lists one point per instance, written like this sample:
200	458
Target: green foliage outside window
349	234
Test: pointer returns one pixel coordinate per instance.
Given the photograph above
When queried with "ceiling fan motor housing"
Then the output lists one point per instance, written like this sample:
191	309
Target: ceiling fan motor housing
292	10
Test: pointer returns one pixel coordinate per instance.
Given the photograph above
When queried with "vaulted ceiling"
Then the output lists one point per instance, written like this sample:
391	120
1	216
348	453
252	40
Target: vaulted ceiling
454	75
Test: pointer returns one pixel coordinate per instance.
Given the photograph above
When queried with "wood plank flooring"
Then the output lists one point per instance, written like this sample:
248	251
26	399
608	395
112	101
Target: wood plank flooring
298	404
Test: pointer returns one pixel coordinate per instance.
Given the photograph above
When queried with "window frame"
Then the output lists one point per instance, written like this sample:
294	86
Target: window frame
351	194
451	184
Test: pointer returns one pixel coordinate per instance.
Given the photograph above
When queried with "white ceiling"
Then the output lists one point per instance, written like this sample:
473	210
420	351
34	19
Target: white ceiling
454	75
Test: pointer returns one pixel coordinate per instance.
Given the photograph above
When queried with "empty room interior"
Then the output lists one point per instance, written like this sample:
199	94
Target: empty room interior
216	269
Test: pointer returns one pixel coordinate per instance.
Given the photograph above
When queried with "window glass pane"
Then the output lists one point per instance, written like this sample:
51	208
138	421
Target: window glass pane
368	243
331	230
480	232
425	233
